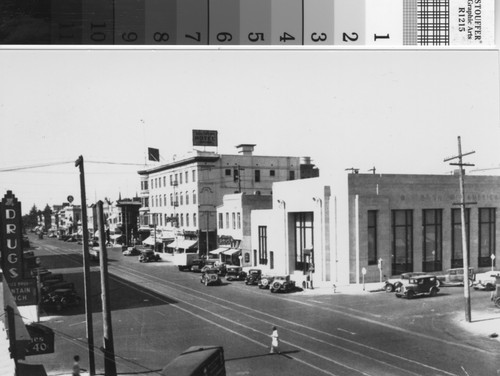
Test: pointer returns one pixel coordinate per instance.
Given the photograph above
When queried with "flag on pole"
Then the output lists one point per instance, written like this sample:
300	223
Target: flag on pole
154	154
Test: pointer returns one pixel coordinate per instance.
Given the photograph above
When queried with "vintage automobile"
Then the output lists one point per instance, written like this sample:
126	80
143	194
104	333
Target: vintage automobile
215	264
265	281
392	284
60	299
210	277
253	277
94	254
486	281
131	251
455	277
419	286
52	286
235	273
148	255
282	284
197	265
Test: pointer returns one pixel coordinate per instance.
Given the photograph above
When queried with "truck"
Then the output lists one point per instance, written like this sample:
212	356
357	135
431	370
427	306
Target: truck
184	260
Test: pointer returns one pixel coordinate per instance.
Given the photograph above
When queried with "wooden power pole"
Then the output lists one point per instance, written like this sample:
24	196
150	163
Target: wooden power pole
86	269
463	204
108	343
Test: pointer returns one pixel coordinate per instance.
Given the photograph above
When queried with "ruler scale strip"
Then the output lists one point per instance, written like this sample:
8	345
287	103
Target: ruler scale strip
373	23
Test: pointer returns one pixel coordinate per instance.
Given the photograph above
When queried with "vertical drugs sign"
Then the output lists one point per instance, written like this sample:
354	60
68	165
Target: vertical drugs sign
11	238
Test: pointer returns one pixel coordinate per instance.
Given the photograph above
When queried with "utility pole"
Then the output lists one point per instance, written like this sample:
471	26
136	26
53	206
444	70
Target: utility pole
463	204
207	214
108	344
86	269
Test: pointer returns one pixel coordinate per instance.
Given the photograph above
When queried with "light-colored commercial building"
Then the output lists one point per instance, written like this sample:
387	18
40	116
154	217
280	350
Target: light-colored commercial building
179	198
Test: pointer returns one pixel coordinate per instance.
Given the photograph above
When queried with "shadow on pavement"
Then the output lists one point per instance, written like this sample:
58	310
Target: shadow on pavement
284	353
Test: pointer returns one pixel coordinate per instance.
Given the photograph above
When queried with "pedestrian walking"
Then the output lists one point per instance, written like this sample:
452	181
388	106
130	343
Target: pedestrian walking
275	341
76	366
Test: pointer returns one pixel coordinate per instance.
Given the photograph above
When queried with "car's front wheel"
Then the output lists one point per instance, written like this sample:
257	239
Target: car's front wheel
389	287
433	291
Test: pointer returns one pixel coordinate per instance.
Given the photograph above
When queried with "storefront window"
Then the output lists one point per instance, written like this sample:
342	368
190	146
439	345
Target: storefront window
402	241
262	245
303	239
433	240
457	256
486	236
372	237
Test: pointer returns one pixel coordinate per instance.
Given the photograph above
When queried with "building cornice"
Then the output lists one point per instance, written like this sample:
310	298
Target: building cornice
183	162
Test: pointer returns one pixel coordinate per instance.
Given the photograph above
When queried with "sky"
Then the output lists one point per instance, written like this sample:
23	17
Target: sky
400	111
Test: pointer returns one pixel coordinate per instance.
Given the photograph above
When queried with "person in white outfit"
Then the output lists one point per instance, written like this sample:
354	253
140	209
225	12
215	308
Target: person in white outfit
275	342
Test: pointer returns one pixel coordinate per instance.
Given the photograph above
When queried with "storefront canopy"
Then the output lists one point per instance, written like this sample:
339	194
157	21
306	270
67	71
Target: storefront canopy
218	250
232	251
184	244
151	240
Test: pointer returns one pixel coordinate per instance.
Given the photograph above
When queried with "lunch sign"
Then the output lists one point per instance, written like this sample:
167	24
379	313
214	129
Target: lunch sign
23	289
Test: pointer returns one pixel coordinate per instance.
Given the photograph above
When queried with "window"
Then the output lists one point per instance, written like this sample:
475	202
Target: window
272	173
187	198
303	239
152	184
457	256
159	182
171	179
239	221
486	236
161	220
181	197
194	176
291	175
432	221
234	220
227	220
262	230
228	172
187	220
180	177
194	220
186	174
182	220
372	237
257	176
221	220
164	181
402	241
165	199
194	197
171	199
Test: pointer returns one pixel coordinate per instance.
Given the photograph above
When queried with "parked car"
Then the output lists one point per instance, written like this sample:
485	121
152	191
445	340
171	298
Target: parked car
265	281
235	273
455	277
148	255
210	277
197	265
131	251
253	277
282	284
94	254
215	264
419	286
392	284
47	289
60	299
487	280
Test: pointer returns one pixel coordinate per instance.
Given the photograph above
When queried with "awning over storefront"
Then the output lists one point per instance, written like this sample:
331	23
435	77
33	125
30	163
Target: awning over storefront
231	251
151	240
184	244
218	250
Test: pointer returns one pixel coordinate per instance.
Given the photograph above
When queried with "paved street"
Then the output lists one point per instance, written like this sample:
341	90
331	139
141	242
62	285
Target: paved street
159	312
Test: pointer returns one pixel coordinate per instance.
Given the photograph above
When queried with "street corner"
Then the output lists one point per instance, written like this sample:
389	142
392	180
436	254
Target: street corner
482	325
